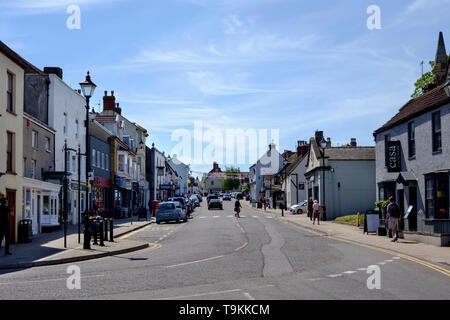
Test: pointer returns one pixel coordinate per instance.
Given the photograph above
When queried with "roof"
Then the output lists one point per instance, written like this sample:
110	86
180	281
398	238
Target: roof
28	67
296	162
350	153
429	101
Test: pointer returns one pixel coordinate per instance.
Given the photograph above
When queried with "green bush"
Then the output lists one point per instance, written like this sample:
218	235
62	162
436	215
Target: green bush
351	219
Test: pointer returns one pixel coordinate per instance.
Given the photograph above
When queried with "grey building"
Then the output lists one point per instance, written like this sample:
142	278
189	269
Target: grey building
341	178
413	158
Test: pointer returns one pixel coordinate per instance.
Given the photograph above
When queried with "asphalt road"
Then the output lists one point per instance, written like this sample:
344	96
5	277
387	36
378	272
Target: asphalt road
217	256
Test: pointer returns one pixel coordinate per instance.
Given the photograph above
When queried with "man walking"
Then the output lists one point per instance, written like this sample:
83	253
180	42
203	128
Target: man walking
4	224
316	212
393	216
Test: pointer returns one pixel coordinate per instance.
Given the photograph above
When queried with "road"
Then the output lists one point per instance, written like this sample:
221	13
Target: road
216	256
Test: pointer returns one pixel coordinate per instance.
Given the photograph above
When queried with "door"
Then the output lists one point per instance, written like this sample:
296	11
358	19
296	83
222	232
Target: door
37	229
401	204
412	219
34	211
11	196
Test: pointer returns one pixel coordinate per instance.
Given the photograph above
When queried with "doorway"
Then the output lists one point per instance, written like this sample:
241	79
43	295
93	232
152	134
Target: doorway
11	197
412	219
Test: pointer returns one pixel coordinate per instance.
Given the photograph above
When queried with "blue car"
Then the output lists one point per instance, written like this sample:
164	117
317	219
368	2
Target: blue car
170	211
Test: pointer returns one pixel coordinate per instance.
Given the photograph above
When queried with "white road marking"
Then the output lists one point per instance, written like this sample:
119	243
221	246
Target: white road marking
362	269
249	297
241	247
196	261
396	258
255	216
389	260
202	294
316	279
381	263
349	272
334	275
216	217
47	280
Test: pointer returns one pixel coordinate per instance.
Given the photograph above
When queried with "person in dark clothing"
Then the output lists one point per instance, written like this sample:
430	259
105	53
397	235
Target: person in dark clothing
237	208
4	224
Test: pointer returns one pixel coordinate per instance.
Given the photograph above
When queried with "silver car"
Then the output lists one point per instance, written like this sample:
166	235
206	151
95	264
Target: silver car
300	207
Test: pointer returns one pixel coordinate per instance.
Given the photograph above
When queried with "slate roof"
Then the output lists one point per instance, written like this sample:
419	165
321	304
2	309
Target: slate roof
350	153
429	101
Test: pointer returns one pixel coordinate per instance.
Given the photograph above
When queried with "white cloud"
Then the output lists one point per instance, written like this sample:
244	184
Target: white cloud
45	6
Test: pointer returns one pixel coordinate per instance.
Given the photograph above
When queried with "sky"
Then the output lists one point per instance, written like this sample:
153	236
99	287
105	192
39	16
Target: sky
282	67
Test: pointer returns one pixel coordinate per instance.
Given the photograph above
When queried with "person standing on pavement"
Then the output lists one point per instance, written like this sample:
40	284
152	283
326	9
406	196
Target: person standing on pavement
237	208
393	216
265	203
4	224
310	208
316	212
270	203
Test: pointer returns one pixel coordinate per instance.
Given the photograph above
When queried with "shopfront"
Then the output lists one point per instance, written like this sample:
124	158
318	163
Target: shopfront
40	204
100	191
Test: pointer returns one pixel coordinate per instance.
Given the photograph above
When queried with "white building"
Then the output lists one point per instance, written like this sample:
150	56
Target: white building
183	174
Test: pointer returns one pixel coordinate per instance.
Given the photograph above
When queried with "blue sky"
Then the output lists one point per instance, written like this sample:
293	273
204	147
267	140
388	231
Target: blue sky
296	66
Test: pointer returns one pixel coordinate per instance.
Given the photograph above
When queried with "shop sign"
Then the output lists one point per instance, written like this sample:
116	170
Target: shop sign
394	156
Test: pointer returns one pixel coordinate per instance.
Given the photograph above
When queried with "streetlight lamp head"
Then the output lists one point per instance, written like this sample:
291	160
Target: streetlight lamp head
88	87
323	144
447	88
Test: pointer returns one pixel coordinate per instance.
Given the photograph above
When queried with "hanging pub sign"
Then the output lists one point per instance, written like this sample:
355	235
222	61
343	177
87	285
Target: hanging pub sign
394	156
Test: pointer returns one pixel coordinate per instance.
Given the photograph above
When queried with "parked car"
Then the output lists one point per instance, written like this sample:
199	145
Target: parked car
170	211
183	203
227	197
300	207
239	195
211	196
215	203
195	200
199	196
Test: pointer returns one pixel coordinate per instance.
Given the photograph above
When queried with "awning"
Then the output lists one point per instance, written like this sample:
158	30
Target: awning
407	178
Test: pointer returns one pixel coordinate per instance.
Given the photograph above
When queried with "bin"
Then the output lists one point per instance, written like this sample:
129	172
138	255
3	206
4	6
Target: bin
25	231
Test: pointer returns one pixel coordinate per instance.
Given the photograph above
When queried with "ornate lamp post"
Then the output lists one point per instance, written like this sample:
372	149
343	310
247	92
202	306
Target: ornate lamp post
323	145
88	88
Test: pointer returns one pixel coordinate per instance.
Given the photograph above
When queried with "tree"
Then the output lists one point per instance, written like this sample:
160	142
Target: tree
231	182
423	81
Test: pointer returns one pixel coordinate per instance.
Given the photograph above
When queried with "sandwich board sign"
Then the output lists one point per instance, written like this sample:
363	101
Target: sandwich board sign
371	222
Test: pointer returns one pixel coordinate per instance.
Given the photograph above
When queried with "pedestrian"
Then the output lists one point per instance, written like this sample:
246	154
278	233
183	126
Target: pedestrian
237	208
265	203
270	203
393	216
310	208
316	212
5	213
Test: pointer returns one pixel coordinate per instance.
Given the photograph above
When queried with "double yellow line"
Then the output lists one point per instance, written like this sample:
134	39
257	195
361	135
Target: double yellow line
394	253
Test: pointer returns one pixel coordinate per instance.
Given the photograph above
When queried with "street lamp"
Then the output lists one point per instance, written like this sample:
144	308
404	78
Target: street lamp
323	145
88	88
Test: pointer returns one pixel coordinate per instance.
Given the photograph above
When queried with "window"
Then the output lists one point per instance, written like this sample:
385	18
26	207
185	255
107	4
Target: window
103	161
24	167
74	163
436	124
34	139
33	169
411	140
65	123
47	144
9	152
387	138
10	92
76	129
93	157
436	195
106	162
99	159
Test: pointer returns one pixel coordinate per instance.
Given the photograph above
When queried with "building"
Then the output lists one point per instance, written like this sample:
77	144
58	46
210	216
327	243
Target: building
412	158
100	150
161	176
183	171
341	178
262	173
12	71
143	195
40	198
214	179
294	185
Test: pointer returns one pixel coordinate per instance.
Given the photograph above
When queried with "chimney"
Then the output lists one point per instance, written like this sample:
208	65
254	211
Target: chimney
118	110
302	148
328	142
318	136
54	70
109	102
353	143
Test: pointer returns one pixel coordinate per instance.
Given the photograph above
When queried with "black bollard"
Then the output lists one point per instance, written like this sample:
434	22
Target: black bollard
87	234
106	229
111	230
101	234
95	232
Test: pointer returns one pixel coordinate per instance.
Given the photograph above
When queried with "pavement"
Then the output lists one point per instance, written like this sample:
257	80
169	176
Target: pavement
48	248
428	252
